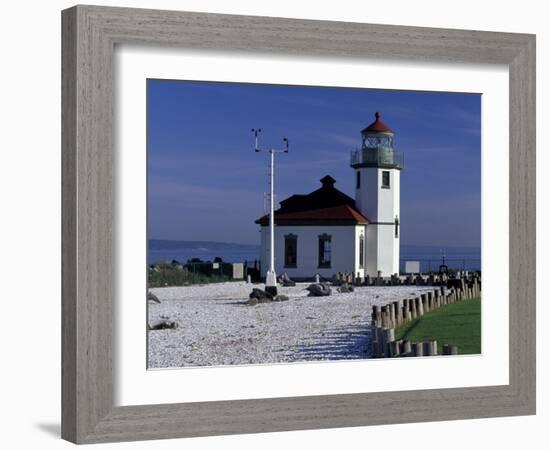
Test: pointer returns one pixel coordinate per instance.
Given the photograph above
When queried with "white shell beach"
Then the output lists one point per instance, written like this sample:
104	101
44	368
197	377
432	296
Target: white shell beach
216	327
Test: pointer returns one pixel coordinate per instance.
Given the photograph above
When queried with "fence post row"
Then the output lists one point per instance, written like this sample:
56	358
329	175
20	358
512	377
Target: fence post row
385	318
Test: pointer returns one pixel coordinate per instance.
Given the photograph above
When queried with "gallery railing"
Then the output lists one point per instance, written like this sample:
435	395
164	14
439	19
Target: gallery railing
377	157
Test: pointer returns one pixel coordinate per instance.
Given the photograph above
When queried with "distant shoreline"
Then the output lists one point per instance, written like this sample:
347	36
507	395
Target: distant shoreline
222	243
430	256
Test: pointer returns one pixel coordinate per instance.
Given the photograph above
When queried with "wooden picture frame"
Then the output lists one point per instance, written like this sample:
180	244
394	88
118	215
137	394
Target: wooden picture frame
90	34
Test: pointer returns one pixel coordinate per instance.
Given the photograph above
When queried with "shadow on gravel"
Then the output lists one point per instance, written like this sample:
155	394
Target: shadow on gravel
267	304
235	303
350	342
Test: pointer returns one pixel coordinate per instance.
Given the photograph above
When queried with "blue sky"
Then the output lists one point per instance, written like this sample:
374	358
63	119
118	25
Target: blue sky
205	182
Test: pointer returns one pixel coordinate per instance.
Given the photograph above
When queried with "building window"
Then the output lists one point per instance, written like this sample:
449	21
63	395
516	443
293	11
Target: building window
361	251
325	251
357	180
291	250
396	226
386	179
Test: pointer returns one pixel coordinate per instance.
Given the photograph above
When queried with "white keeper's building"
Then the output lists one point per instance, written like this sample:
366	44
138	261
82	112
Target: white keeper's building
326	231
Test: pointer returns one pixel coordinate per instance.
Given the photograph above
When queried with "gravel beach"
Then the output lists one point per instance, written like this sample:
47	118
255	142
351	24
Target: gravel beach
216	327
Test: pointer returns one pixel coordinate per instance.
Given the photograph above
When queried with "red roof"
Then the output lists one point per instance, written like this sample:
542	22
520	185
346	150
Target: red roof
378	125
336	214
326	205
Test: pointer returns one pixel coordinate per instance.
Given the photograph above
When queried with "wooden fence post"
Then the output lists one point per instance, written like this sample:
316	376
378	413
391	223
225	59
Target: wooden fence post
377	316
406	310
397	308
439	298
419	308
431	304
406	348
394	348
426	348
389	336
450	350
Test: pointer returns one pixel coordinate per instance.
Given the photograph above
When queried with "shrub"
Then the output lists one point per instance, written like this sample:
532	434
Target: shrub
166	274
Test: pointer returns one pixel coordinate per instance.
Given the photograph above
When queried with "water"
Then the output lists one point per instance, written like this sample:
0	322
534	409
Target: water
182	251
468	258
430	257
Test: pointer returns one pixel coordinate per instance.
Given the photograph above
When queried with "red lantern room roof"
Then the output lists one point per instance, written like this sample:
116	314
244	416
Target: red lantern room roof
377	126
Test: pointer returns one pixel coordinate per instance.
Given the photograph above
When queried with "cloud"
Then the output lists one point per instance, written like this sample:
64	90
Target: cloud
443	150
344	139
463	115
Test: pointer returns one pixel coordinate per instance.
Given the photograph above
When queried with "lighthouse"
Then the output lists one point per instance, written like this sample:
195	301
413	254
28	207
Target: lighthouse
377	168
327	231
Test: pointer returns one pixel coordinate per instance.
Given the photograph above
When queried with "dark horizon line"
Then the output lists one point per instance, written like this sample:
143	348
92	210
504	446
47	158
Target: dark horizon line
258	245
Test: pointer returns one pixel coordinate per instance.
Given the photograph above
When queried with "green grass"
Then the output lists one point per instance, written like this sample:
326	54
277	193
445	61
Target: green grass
456	324
169	276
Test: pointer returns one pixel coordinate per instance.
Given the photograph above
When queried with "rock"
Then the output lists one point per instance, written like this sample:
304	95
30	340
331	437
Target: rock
259	296
345	288
271	290
319	290
152	297
162	325
286	281
281	298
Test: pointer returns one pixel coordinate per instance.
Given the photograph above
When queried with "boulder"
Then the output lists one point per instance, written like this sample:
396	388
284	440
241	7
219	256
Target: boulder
152	297
259	296
345	288
162	325
319	290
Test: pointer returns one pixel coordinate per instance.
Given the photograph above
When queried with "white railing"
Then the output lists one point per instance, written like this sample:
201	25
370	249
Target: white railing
377	157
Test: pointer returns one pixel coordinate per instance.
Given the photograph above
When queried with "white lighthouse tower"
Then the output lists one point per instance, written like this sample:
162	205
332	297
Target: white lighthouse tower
377	185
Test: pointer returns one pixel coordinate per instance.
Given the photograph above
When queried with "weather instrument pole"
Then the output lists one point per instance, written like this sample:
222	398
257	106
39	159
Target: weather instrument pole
271	276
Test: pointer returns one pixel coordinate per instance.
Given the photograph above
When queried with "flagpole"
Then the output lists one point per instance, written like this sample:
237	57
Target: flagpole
271	276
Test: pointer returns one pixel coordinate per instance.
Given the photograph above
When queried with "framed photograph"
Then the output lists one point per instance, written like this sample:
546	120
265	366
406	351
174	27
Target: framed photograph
278	224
